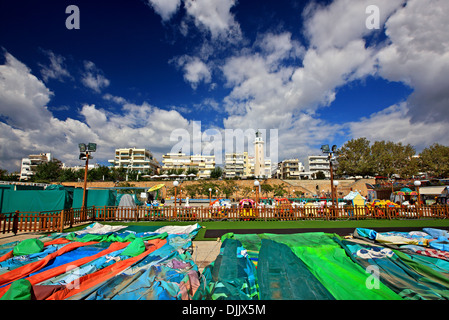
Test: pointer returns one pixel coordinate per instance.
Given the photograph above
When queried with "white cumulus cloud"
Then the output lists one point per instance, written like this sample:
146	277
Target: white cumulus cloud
93	77
56	70
214	16
165	8
195	70
27	126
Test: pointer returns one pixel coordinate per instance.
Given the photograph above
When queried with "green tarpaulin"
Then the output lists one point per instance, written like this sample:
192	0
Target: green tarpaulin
28	246
35	200
19	290
1	199
112	237
136	247
283	276
327	261
98	198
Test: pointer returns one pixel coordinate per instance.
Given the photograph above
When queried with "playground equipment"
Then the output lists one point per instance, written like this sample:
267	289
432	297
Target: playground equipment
247	209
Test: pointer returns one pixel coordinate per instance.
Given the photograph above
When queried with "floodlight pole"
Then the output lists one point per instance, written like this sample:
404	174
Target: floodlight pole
330	152
85	179
332	178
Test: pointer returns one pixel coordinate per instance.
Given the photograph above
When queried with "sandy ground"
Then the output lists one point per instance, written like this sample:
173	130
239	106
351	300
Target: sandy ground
204	252
10	237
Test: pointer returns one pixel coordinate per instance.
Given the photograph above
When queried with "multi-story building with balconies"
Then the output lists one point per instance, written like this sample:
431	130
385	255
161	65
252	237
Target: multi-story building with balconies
319	163
180	161
139	159
29	164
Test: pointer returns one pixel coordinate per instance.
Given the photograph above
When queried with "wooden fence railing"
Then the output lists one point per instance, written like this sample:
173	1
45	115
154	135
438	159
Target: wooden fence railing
58	220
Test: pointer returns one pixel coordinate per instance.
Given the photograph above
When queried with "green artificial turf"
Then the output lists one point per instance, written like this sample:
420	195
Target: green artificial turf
217	225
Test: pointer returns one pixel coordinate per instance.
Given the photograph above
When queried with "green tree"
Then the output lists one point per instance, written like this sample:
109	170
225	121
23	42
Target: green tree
118	174
216	173
357	158
5	176
174	171
435	160
190	171
228	187
246	191
354	158
390	158
204	188
192	190
48	171
298	194
279	190
103	171
67	174
266	188
320	175
3	173
132	175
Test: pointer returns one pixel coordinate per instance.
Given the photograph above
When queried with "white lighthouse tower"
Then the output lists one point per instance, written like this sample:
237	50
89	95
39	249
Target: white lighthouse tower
259	164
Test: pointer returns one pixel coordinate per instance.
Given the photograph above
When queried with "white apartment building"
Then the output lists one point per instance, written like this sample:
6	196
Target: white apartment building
236	165
204	164
267	169
319	163
134	158
241	165
290	169
30	163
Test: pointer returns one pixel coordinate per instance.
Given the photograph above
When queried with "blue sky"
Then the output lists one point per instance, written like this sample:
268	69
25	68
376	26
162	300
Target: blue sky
139	70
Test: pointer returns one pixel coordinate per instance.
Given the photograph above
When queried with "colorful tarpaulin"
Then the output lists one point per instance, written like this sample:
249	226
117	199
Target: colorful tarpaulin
103	262
95	261
231	276
327	261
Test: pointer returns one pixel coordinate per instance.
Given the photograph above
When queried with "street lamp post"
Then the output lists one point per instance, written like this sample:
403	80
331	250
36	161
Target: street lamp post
257	184
417	184
175	183
335	185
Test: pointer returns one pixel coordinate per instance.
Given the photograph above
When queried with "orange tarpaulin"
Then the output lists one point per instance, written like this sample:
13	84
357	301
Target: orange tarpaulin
6	256
27	269
38	278
90	280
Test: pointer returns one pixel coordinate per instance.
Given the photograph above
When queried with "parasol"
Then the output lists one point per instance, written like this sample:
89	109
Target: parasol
156	187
